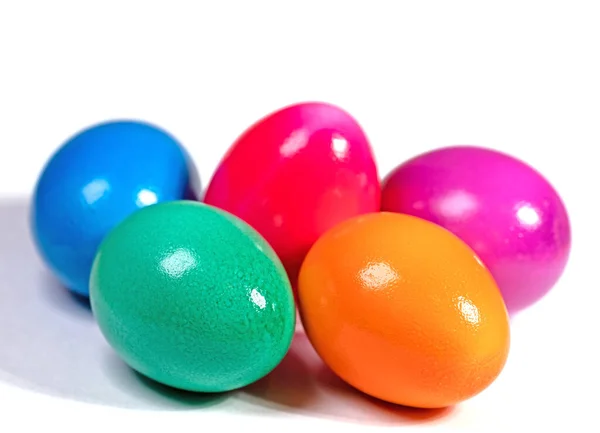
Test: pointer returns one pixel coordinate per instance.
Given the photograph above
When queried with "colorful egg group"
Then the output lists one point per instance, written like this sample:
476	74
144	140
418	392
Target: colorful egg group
404	287
295	174
193	298
93	182
503	208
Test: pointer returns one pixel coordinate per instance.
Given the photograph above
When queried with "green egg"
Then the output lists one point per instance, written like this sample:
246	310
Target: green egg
192	297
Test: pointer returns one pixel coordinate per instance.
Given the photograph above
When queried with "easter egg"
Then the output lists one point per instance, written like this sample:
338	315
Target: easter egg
295	174
94	181
501	207
192	297
403	310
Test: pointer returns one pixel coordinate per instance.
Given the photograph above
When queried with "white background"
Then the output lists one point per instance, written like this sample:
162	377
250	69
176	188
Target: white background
519	76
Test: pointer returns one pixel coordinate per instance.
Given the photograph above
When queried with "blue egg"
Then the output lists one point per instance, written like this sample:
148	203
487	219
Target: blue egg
93	182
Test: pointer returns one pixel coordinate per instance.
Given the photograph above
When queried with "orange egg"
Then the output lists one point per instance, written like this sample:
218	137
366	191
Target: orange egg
403	310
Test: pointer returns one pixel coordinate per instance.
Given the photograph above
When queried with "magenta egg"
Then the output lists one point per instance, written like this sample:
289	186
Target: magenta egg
508	213
295	174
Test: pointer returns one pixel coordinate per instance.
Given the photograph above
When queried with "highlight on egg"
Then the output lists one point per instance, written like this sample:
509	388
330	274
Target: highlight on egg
295	174
503	208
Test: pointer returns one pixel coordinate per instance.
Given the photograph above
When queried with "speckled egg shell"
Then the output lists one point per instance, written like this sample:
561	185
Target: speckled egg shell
94	181
192	297
295	174
501	207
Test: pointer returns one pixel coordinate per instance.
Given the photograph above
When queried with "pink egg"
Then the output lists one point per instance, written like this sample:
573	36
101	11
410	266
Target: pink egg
295	174
503	208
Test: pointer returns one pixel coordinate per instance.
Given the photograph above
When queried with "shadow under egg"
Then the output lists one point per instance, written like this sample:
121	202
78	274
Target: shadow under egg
302	384
151	394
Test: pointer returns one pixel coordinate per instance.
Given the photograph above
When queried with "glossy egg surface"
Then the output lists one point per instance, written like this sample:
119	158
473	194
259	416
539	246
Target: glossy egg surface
503	208
295	174
94	181
192	297
403	310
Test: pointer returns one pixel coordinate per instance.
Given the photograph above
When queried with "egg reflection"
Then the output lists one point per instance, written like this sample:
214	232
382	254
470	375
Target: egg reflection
297	140
528	216
258	299
146	197
458	204
378	275
177	263
468	310
339	145
95	190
